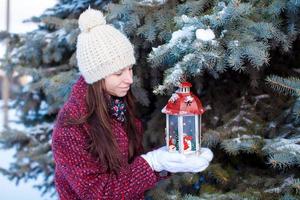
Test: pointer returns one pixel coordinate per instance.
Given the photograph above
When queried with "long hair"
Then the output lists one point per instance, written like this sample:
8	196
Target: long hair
102	143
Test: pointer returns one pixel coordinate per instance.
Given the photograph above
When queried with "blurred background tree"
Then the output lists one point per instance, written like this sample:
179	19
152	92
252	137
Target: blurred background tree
234	53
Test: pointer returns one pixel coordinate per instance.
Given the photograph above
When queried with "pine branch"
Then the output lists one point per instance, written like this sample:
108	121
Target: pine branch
286	86
246	143
282	152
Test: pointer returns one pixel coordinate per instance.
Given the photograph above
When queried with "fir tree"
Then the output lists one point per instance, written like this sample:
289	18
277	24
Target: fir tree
222	47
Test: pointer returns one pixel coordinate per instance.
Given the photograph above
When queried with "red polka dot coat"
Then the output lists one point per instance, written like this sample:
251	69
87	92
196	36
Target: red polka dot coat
78	176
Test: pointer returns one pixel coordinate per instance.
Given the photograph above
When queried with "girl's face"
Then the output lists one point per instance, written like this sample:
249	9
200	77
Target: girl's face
118	84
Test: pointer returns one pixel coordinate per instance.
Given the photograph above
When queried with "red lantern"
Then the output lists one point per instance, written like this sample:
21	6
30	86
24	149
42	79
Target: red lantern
183	121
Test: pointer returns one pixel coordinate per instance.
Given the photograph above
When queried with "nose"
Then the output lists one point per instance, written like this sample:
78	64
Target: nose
128	77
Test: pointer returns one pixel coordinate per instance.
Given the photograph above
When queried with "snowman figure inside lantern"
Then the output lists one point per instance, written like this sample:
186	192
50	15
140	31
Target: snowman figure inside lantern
183	121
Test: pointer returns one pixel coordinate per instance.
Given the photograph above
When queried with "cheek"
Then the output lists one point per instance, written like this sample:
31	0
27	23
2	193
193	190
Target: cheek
111	84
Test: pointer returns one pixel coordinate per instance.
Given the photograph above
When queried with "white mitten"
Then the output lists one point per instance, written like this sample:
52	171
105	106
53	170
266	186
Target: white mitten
161	159
207	154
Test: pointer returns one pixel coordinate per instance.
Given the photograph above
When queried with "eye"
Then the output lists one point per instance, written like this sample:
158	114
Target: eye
119	73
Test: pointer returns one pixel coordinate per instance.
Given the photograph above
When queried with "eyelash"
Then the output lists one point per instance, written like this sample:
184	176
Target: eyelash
120	73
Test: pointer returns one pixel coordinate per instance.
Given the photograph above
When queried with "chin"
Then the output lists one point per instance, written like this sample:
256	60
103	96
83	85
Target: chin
121	94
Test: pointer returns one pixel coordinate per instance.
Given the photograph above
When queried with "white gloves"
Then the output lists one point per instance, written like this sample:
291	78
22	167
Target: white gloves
160	159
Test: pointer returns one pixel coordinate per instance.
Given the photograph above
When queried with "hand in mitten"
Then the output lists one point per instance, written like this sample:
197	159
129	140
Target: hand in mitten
207	154
161	159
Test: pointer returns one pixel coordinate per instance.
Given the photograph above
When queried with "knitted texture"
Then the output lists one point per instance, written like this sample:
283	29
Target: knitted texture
78	175
101	49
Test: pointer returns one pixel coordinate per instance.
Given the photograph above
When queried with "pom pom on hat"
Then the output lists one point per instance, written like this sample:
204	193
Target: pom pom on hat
90	19
101	48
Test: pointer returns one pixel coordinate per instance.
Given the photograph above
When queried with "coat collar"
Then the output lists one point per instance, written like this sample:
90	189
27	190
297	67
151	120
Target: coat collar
78	96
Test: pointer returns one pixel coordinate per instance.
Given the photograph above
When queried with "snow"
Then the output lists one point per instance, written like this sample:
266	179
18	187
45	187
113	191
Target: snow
175	76
287	182
248	121
236	43
188	57
13	116
152	2
223	32
205	34
280	144
221	13
19	12
238	129
222	4
174	97
188	99
24	190
22	11
245	137
186	32
184	18
189	20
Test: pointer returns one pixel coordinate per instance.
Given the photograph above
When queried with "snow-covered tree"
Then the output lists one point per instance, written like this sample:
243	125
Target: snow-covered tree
225	48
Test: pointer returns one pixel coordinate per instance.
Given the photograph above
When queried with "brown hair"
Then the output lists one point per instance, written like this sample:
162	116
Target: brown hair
102	143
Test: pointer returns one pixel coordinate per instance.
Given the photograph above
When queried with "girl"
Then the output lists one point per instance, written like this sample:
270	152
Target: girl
97	141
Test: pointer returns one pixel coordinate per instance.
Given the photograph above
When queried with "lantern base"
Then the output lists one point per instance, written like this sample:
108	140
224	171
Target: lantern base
173	150
187	153
193	153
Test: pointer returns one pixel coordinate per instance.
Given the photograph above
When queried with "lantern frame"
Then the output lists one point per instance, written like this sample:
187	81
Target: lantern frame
183	104
180	133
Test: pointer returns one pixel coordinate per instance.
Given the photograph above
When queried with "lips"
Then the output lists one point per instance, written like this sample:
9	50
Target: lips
125	88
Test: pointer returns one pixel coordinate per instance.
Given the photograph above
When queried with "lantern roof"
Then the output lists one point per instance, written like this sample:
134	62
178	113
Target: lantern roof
185	84
184	102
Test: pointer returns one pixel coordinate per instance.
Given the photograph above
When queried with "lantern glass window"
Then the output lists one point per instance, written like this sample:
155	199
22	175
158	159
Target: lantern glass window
173	133
189	133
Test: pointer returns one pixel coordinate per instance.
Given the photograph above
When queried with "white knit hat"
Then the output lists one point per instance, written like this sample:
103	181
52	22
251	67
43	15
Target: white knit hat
101	49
